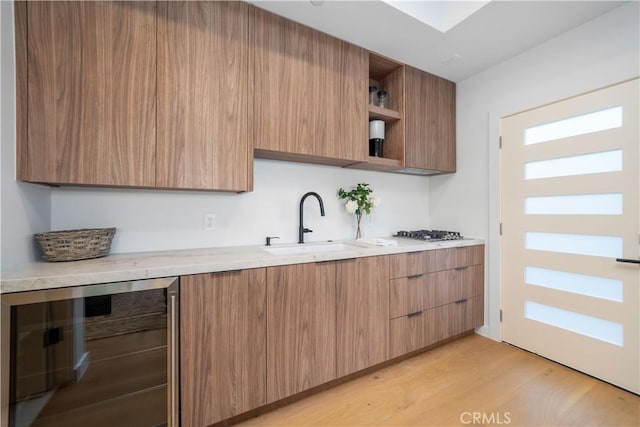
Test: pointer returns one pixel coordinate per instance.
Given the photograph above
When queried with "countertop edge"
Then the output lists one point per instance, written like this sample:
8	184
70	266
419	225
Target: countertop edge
147	265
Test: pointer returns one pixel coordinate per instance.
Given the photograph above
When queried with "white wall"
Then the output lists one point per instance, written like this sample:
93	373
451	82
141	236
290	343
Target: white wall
25	208
596	54
157	220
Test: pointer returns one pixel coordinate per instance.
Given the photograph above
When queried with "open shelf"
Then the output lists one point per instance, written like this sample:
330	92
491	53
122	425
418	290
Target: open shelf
388	75
381	164
381	66
379	113
384	162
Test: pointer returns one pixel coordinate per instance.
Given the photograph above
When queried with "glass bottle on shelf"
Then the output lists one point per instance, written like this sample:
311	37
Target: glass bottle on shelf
373	95
382	99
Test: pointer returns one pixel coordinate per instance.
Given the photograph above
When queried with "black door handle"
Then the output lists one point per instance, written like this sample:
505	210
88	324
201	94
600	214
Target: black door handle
629	261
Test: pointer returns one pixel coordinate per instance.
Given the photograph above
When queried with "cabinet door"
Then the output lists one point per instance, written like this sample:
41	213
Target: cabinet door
430	121
301	328
91	93
362	313
203	52
463	316
412	294
222	338
416	263
416	331
309	95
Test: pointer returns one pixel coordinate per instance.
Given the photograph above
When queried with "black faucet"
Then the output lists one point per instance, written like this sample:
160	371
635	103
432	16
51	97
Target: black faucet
301	229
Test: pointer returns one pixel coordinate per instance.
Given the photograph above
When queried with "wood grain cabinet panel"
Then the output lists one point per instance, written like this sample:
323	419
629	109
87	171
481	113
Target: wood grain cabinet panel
470	255
435	295
203	136
424	328
475	312
473	278
223	345
462	316
412	294
301	328
457	284
430	121
362	324
414	263
309	103
91	86
416	331
417	293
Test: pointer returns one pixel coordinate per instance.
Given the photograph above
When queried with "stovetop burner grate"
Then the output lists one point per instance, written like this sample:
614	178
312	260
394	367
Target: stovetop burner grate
430	235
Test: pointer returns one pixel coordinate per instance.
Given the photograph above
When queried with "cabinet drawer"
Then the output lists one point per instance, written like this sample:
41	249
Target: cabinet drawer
413	332
421	329
421	292
412	263
463	316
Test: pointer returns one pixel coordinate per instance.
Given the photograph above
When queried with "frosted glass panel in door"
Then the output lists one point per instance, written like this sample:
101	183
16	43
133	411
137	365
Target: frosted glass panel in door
601	329
581	284
608	161
581	244
610	118
581	204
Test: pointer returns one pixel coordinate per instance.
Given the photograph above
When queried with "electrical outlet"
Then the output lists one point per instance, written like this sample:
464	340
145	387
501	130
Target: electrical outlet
209	221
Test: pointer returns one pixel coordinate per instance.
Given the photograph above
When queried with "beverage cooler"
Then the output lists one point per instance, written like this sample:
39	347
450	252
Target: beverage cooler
96	355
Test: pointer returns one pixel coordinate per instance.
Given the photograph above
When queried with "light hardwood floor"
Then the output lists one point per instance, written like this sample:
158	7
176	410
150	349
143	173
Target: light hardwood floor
503	385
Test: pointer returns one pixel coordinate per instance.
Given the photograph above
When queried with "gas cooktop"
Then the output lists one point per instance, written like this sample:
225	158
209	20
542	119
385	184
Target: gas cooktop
430	235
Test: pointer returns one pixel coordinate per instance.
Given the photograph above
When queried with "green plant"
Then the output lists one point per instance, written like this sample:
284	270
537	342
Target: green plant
360	198
359	202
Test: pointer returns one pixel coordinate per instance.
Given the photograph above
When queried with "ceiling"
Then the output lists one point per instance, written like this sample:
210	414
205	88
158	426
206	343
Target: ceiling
496	32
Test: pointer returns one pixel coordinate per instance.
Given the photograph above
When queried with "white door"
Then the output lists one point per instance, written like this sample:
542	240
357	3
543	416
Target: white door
570	195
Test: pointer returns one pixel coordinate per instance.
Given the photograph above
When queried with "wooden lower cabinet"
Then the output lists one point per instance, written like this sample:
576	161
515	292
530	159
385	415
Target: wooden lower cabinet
301	328
463	315
423	328
222	339
362	313
252	337
434	295
414	263
413	332
411	294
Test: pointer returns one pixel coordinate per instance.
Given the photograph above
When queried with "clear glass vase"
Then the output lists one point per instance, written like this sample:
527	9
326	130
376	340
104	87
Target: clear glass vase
358	229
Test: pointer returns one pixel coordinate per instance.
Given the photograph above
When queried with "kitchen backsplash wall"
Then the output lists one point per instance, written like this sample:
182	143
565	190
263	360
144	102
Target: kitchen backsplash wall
151	220
26	208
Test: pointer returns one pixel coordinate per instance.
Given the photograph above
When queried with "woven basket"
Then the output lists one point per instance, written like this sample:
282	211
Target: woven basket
72	245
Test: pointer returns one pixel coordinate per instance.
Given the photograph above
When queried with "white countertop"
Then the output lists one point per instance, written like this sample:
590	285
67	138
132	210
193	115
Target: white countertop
147	265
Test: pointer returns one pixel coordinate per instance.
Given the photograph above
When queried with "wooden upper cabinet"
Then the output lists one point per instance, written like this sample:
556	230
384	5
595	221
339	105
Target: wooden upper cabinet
430	122
91	83
362	306
301	328
222	342
309	100
203	136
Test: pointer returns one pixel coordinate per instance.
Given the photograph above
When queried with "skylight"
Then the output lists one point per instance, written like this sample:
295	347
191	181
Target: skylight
438	14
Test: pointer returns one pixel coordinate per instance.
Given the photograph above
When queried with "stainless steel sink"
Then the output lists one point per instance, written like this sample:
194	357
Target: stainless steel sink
309	248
